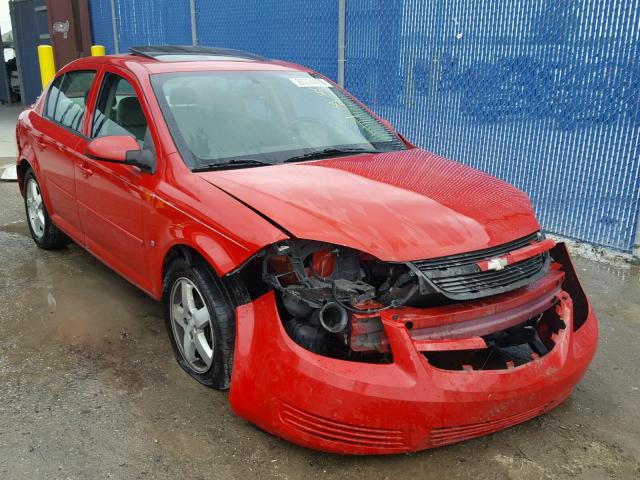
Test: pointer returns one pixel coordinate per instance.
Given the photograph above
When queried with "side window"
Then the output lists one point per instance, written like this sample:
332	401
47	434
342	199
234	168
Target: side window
54	92
118	112
68	97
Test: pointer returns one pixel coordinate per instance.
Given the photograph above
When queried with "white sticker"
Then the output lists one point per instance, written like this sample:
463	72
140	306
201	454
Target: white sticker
310	82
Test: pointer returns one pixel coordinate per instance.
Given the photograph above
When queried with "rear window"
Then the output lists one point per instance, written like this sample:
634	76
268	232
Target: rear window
66	103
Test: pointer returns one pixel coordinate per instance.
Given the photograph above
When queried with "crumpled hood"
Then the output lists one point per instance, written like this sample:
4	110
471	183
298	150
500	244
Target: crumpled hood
397	206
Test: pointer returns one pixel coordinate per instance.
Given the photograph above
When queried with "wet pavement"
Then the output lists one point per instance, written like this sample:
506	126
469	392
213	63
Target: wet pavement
89	389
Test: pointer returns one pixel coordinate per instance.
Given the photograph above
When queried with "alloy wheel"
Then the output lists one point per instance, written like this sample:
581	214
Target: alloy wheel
191	324
35	208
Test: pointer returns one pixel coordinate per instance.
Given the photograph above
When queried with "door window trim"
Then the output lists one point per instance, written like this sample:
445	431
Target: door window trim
139	93
49	93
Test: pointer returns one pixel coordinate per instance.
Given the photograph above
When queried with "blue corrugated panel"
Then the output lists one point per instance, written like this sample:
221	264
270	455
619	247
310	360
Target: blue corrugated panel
149	22
543	94
101	26
5	96
28	26
300	31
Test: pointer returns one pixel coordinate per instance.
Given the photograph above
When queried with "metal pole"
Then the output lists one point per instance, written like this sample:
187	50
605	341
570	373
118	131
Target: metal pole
194	31
114	27
636	243
342	13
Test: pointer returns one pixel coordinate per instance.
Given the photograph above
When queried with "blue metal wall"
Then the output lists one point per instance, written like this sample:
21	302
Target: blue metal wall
542	93
29	23
141	22
301	31
101	26
144	22
5	96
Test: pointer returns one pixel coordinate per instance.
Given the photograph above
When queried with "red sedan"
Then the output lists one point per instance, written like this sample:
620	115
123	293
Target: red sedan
356	293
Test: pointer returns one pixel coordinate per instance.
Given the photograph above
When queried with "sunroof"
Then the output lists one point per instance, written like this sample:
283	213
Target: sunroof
176	53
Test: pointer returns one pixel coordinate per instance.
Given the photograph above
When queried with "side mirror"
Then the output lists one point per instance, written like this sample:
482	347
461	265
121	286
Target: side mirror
120	149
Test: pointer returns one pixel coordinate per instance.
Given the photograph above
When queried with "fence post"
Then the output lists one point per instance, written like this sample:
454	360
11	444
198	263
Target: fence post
636	243
114	27
194	31
342	13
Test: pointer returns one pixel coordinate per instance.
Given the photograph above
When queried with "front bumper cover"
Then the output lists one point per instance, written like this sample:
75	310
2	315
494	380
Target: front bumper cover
359	408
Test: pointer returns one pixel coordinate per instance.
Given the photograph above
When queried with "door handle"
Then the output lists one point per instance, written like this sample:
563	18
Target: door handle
86	171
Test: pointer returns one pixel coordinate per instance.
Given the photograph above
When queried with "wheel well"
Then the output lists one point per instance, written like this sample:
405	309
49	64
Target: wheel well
21	169
177	251
234	286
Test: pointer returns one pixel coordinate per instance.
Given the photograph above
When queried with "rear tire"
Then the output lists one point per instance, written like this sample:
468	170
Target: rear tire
46	235
200	321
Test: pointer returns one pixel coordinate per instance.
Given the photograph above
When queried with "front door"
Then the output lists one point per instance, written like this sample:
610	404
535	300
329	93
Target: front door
110	201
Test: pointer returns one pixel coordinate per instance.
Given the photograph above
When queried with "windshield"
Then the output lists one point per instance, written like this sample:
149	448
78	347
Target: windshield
253	118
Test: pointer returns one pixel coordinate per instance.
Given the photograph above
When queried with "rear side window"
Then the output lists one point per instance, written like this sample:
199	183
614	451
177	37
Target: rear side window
67	99
118	111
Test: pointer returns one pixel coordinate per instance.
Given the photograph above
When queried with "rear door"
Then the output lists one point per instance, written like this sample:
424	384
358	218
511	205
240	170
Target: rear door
57	137
110	198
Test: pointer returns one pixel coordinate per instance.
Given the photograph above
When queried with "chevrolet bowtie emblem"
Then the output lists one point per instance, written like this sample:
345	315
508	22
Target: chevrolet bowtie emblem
496	264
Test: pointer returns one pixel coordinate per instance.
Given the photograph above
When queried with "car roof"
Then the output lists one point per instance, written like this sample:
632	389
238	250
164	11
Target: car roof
180	53
165	59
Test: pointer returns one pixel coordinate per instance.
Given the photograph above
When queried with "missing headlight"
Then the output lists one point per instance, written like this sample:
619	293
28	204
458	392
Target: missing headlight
329	297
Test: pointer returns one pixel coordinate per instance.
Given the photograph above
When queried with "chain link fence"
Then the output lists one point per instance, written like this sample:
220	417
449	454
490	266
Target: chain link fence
544	94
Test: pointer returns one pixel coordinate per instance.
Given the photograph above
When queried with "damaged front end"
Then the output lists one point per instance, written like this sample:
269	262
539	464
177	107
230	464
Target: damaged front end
332	299
385	343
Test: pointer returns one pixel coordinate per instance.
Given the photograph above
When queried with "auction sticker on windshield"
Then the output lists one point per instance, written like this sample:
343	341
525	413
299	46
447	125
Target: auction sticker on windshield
310	82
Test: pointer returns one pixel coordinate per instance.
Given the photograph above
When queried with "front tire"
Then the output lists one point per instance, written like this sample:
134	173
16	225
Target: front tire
200	321
46	235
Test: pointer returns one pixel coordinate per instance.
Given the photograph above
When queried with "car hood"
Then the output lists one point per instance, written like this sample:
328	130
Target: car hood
397	206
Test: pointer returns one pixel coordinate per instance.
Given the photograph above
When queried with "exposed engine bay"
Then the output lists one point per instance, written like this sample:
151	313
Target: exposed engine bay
331	297
323	286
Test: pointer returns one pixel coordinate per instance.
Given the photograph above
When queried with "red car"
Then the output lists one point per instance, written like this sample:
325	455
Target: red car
356	293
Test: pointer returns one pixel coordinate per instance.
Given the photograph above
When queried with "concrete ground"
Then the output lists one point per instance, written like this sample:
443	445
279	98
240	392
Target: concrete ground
89	389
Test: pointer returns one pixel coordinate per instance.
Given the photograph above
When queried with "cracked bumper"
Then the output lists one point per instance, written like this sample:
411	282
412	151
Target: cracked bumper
358	408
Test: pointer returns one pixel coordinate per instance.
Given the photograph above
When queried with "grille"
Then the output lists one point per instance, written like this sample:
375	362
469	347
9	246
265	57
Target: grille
331	430
459	278
446	435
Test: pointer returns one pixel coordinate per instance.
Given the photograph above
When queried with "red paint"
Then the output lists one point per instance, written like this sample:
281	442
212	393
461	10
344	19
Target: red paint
424	206
468	343
360	408
406	205
113	148
323	262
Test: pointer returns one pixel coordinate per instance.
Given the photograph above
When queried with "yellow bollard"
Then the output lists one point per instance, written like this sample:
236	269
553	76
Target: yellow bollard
47	64
97	50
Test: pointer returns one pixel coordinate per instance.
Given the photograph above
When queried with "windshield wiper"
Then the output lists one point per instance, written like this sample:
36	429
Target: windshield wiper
236	163
329	152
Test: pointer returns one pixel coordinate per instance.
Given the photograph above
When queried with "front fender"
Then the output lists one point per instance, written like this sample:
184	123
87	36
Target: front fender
222	230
